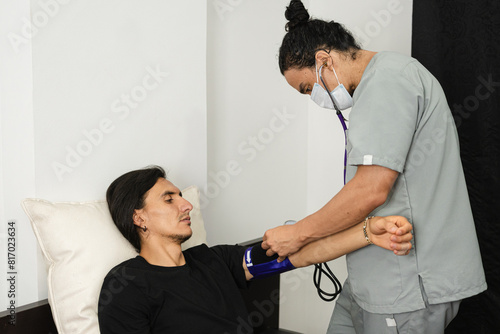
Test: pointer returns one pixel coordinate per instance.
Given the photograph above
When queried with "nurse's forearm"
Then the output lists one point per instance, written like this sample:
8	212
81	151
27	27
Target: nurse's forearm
365	192
330	248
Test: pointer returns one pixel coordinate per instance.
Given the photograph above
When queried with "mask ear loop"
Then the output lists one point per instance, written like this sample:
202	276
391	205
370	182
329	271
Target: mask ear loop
336	77
317	78
328	90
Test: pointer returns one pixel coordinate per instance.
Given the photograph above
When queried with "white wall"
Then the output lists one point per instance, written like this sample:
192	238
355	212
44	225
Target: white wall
113	87
255	120
262	152
17	170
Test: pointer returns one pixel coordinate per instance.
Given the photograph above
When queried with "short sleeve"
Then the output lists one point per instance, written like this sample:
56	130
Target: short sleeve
383	119
123	309
233	258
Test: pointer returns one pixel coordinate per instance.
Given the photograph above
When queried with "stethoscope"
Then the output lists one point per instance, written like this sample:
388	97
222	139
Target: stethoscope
318	268
340	116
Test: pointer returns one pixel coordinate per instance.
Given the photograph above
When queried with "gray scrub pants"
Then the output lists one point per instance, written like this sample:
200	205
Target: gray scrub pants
349	318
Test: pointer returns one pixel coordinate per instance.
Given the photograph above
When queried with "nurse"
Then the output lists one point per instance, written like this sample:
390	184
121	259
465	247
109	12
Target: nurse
402	158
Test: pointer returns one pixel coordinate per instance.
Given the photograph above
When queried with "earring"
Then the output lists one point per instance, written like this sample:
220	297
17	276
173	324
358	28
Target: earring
144	228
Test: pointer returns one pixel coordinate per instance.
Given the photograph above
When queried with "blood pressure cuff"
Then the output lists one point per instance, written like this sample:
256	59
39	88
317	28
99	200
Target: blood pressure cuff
261	266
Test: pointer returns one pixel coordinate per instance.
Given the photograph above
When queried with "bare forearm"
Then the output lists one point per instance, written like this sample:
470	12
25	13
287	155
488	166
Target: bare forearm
360	196
366	191
347	208
330	247
391	232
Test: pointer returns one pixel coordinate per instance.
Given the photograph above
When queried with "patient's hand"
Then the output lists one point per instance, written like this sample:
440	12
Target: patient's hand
391	232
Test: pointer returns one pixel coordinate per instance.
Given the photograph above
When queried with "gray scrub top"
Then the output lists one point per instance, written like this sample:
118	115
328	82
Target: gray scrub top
400	119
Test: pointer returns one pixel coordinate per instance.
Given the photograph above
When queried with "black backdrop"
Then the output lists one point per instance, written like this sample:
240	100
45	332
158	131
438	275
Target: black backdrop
459	42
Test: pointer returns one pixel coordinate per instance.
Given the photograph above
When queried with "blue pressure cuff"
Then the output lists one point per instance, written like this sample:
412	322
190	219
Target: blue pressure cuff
261	266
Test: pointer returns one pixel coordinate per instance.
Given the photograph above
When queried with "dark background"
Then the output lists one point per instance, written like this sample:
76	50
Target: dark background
458	41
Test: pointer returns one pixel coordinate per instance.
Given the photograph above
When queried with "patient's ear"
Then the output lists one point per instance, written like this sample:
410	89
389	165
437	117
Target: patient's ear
137	217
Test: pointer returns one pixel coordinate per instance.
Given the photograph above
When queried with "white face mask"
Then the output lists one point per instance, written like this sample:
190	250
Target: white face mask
340	95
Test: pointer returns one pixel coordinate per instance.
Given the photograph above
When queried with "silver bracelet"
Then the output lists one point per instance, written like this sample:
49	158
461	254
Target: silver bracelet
364	230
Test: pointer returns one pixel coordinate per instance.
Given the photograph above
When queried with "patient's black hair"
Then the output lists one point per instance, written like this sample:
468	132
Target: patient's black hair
127	194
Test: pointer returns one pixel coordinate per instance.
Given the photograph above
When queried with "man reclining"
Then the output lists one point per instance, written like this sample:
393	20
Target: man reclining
166	290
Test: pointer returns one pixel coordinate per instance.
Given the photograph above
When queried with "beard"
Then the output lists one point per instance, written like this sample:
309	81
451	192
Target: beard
179	238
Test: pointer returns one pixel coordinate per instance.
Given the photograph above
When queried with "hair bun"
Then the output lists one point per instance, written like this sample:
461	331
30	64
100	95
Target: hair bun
296	14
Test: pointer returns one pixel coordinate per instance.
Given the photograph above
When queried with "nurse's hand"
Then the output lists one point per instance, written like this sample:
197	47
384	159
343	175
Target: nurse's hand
281	240
392	233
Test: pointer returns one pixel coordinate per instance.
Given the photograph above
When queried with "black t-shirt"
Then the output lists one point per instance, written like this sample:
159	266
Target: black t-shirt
200	297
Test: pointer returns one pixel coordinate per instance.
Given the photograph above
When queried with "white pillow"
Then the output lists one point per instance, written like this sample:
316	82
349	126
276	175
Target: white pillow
80	244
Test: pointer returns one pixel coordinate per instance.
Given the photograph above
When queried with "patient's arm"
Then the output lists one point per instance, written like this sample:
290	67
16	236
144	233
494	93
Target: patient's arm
122	308
391	232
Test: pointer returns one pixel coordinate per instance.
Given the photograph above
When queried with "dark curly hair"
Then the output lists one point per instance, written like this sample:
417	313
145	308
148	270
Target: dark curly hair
127	194
305	36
